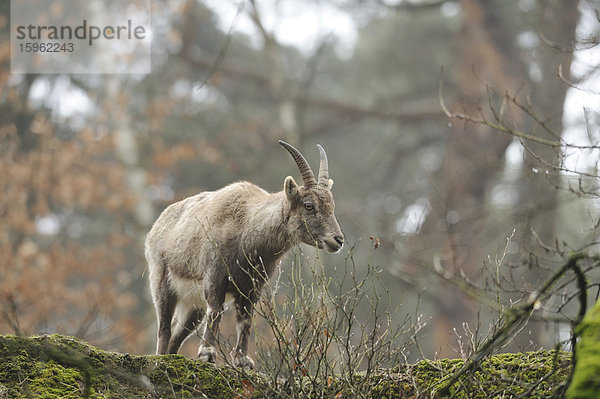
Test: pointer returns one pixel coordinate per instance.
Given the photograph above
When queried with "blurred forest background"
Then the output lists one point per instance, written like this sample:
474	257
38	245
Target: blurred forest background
441	205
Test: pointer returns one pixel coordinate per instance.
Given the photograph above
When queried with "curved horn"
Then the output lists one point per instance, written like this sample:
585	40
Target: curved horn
307	174
323	168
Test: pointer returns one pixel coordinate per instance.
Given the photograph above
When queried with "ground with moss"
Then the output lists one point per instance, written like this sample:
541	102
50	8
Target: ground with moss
56	366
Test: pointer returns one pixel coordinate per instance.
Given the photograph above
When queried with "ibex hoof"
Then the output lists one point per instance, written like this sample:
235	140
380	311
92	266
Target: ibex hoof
243	361
207	354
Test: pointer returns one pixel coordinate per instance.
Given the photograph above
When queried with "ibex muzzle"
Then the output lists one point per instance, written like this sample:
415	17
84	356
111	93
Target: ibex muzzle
228	242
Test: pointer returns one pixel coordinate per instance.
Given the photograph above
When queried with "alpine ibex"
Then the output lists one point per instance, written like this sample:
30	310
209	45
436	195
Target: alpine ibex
228	242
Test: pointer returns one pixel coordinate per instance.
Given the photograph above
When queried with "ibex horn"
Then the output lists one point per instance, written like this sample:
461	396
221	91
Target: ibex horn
323	168
308	177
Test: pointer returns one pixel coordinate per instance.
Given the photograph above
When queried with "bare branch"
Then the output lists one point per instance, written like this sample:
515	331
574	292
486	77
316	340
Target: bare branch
573	84
568	48
496	126
515	317
500	126
412	6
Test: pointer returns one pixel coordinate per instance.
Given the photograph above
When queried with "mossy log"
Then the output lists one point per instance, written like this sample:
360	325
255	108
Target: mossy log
56	366
586	378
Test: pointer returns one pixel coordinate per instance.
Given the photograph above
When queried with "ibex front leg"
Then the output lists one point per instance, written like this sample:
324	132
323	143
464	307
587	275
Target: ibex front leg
215	296
243	307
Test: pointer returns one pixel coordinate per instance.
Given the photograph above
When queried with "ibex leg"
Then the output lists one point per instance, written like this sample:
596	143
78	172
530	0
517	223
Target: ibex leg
244	308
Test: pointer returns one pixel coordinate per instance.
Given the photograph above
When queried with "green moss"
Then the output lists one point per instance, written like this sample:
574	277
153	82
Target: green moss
55	366
510	374
55	381
61	367
585	383
189	378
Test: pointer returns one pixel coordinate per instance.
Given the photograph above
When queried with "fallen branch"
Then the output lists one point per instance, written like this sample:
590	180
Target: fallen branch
513	317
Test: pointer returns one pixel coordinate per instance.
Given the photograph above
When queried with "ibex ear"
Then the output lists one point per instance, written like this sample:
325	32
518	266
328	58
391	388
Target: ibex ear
329	184
290	187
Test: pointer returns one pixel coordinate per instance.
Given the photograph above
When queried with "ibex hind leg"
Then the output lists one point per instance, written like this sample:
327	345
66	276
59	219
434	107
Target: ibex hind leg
185	322
164	303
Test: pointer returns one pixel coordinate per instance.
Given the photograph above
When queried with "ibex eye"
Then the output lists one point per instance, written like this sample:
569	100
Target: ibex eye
309	206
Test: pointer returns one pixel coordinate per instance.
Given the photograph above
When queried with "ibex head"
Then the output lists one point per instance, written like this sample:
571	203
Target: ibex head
309	209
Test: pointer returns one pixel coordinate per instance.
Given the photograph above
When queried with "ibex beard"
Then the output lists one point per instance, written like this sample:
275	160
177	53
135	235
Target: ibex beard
228	243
